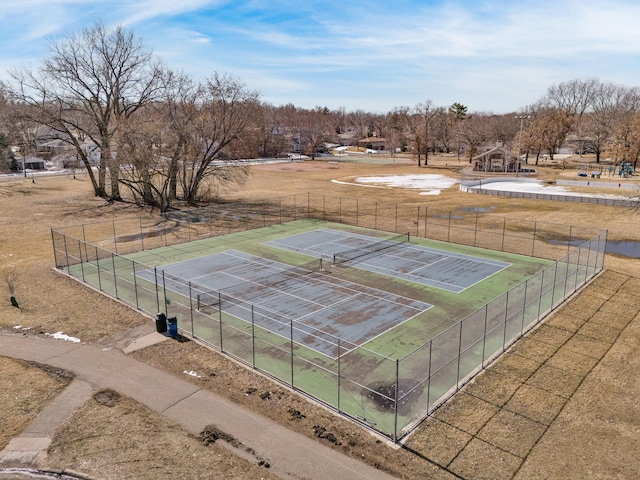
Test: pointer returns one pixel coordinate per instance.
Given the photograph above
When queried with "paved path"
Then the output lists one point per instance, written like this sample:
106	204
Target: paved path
291	455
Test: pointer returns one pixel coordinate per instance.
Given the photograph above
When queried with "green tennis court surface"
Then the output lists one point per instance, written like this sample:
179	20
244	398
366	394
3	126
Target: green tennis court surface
431	285
318	309
438	268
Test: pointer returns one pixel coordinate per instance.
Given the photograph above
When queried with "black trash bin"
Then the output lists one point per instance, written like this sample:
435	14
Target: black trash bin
161	323
172	323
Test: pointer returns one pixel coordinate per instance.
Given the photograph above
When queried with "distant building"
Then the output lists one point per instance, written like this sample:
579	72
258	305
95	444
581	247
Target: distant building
373	143
34	163
497	160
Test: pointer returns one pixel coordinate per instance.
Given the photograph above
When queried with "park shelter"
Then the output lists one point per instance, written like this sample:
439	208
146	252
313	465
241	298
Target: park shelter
496	160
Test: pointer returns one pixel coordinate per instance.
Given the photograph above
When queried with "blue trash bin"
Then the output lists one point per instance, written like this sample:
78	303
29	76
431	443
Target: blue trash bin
172	326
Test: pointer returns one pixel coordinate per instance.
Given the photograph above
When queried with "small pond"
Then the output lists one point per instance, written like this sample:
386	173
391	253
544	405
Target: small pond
623	248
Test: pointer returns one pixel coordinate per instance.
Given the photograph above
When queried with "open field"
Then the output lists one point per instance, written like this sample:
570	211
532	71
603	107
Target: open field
562	404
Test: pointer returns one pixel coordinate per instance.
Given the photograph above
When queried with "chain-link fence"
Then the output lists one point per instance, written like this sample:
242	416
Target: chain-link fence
480	183
389	395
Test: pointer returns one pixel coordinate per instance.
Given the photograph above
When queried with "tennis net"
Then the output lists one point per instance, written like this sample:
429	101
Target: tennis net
357	253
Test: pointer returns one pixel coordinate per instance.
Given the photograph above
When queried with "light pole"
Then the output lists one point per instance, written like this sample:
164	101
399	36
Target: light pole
521	117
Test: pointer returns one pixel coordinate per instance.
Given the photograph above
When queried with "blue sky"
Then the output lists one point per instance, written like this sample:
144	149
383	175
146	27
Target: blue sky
490	55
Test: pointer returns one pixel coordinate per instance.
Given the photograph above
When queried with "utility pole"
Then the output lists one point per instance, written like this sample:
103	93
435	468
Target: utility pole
521	117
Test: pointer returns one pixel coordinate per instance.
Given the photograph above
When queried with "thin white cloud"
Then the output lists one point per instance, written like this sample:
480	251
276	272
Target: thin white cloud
494	55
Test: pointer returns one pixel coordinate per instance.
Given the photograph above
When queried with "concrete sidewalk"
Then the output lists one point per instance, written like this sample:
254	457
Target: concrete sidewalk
291	455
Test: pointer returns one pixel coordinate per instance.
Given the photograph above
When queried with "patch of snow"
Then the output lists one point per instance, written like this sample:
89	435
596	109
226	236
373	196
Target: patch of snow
432	184
62	336
192	373
531	187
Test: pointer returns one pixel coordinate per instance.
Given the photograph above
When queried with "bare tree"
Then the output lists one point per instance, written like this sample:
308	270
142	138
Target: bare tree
472	133
570	101
204	122
90	85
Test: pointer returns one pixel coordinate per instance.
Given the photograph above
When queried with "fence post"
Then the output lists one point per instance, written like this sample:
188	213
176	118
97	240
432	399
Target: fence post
553	290
395	403
81	264
115	239
191	308
375	216
475	231
426	219
164	229
291	347
429	377
155	278
533	243
484	335
540	296
141	234
220	318
98	266
84	239
66	254
459	355
524	306
504	229
115	281
135	283
324	207
253	339
395	228
188	212
418	223
339	355
506	314
164	294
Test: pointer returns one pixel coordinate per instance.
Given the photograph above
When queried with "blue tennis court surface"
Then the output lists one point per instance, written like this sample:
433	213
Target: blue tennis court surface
273	295
449	271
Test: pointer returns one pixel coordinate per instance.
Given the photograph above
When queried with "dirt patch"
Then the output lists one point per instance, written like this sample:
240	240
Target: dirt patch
123	439
25	389
107	397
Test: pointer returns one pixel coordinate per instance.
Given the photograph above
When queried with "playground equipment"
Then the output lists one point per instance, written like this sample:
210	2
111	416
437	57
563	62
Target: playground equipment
625	170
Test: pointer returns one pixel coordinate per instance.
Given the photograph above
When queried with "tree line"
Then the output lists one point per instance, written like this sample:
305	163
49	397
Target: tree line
166	137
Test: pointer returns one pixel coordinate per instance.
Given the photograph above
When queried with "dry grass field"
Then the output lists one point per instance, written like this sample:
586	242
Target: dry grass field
563	403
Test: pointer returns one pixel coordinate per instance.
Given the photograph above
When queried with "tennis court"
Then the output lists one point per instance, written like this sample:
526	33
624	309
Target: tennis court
394	257
315	308
323	295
